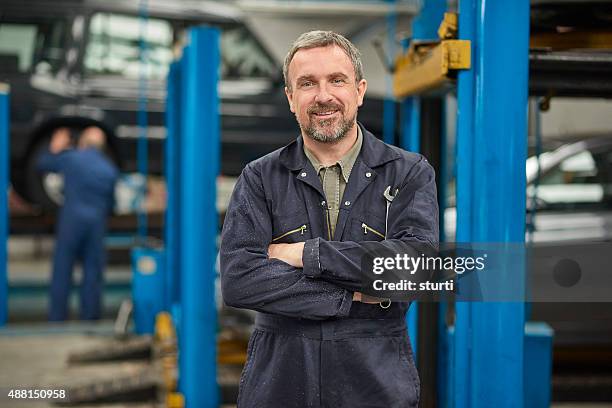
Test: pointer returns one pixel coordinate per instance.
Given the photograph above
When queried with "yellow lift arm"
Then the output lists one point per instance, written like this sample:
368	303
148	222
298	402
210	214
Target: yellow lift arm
427	65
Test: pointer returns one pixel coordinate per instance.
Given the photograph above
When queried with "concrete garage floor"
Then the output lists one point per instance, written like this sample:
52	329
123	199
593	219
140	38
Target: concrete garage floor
34	353
29	273
34	356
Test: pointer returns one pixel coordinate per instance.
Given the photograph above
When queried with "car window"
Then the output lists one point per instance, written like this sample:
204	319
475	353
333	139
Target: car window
242	56
32	46
115	48
575	183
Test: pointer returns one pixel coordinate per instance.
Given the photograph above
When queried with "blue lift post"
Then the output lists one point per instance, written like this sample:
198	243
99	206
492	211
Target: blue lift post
4	185
171	168
389	102
424	27
199	167
491	149
142	150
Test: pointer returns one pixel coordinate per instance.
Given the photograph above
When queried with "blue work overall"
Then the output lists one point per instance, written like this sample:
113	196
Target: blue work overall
89	181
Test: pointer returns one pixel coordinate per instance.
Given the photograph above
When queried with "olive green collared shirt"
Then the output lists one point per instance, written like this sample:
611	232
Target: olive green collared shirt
334	179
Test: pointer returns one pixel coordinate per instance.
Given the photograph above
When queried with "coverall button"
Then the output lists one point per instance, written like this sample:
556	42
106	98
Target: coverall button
347	203
303	174
368	174
323	203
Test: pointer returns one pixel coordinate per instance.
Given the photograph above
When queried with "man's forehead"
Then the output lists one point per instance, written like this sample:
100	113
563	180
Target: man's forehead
307	61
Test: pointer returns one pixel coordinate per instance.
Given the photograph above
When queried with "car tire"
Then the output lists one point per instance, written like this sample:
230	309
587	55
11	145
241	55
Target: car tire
34	187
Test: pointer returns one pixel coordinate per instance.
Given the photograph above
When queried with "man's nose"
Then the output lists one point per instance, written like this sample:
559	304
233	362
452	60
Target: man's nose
323	95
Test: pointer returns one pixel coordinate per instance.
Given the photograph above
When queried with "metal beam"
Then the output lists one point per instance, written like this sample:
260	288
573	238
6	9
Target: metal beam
492	138
373	8
172	168
199	167
570	73
432	124
592	39
4	185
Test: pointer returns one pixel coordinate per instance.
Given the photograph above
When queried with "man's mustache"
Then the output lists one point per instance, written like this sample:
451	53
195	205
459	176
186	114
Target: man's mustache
323	107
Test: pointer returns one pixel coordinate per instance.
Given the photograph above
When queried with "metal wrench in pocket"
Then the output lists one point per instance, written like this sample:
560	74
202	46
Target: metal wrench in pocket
389	198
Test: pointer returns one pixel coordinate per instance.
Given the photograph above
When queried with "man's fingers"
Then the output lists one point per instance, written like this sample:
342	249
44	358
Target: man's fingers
360	297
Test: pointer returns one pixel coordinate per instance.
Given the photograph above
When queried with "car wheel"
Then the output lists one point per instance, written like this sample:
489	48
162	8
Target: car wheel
42	189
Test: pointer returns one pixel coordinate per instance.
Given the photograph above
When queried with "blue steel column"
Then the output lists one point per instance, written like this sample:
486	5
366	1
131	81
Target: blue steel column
389	102
492	137
410	110
171	164
424	26
466	79
4	184
199	164
142	148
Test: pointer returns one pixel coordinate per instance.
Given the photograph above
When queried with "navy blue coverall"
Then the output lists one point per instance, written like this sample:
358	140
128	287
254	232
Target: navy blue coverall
89	183
312	345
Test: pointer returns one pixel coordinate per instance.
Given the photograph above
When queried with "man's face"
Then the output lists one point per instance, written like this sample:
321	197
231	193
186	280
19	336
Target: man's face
324	95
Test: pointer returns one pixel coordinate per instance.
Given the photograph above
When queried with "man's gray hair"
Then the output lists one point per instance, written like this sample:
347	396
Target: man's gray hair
319	38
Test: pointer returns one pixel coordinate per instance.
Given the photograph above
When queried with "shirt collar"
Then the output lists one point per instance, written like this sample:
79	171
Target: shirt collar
346	162
374	152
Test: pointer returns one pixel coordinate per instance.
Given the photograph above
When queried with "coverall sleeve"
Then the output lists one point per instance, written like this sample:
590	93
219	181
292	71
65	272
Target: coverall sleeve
412	229
251	280
50	162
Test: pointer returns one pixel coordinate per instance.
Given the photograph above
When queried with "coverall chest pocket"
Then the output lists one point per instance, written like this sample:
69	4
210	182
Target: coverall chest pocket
291	228
369	227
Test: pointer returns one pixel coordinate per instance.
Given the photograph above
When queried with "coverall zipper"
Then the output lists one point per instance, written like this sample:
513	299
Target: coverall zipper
300	230
367	228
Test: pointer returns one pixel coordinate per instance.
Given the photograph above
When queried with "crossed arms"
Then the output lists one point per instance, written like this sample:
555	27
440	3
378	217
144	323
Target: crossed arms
317	279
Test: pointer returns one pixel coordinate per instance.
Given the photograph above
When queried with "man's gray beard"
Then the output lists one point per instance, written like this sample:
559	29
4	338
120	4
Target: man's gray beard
312	132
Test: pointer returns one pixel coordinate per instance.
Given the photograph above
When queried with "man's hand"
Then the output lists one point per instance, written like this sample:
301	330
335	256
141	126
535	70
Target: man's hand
292	254
289	253
60	140
360	297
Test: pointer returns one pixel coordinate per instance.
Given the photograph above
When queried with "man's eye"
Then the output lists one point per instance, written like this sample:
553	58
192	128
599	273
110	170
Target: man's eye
338	81
306	84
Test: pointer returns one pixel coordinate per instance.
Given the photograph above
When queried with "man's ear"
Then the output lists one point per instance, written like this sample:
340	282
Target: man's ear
362	86
289	95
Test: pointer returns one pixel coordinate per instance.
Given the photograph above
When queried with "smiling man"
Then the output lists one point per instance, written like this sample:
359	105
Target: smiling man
298	225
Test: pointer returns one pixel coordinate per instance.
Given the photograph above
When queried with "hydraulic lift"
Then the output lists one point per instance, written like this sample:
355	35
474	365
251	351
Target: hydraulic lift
480	348
488	56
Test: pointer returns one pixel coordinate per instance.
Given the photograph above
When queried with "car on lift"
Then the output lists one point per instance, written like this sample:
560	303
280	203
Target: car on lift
88	62
570	195
569	205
